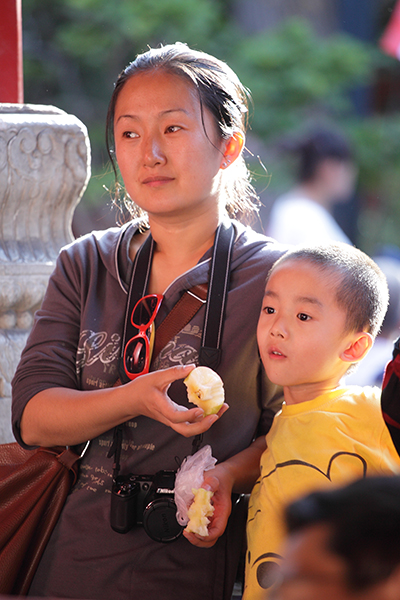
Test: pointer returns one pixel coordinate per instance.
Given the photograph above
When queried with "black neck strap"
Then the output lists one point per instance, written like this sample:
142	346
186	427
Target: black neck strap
210	351
137	289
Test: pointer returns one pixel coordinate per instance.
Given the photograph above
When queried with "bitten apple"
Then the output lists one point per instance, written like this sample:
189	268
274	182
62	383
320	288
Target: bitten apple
199	512
206	389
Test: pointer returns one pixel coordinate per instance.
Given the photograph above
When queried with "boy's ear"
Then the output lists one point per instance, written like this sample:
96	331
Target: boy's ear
233	148
358	348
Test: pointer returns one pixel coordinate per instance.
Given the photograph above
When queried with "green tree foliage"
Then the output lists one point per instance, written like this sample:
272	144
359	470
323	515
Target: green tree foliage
74	49
292	73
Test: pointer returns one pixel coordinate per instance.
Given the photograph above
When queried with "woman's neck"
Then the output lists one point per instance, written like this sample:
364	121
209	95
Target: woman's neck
178	247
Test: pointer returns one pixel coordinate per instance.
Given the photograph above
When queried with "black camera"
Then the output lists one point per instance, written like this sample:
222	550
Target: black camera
146	500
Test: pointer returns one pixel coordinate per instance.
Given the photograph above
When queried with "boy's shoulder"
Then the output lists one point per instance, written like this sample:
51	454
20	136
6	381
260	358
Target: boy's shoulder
358	393
355	397
347	400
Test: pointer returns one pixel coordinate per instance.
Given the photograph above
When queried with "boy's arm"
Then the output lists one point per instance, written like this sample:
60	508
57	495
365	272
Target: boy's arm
237	474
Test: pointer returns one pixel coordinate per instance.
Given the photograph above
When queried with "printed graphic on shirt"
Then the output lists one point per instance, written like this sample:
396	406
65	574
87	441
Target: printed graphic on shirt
102	349
94	479
97	346
265	520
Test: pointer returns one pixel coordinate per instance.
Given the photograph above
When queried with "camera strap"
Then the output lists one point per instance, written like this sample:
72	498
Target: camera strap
214	297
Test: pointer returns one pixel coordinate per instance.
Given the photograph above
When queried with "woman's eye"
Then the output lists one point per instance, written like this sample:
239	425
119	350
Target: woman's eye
130	134
303	317
173	128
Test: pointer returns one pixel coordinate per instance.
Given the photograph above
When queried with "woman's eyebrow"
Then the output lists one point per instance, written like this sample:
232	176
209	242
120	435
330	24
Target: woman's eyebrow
161	114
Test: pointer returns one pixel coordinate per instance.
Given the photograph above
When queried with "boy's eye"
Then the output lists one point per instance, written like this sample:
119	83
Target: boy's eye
269	310
303	317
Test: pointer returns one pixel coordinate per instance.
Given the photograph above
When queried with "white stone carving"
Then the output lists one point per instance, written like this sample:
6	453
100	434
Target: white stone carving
44	170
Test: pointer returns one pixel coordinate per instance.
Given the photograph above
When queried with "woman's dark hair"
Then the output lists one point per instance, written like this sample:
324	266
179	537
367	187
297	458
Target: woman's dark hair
364	522
316	146
219	90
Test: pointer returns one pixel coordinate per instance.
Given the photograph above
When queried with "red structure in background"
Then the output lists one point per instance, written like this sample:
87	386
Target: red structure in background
390	40
11	71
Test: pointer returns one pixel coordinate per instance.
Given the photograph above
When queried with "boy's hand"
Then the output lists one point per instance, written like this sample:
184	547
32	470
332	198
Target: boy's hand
218	481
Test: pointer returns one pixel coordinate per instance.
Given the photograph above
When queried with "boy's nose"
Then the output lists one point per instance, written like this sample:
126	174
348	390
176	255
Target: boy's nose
278	329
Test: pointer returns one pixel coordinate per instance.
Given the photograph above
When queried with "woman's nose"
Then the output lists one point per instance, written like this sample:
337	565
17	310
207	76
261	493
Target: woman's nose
153	154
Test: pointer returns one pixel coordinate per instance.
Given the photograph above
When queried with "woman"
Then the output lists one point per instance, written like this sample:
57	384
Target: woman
176	121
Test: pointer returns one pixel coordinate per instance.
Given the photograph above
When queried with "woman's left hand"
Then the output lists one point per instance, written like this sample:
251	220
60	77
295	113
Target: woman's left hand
217	480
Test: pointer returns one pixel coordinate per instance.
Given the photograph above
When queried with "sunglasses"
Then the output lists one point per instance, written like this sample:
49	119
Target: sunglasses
138	351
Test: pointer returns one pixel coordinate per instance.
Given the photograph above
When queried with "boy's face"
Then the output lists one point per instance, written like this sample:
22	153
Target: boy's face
301	329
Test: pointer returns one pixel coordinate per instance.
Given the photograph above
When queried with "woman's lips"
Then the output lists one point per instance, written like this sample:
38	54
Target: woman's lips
156	180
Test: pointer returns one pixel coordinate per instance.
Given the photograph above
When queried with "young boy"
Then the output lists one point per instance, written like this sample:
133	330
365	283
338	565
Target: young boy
321	310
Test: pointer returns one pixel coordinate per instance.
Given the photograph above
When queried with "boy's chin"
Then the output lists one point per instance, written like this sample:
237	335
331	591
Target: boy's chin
275	380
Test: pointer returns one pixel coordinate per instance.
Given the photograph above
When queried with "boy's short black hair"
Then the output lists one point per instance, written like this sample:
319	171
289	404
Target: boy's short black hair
360	287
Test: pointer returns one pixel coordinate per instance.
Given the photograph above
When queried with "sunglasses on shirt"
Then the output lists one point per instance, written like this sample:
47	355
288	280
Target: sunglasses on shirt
138	350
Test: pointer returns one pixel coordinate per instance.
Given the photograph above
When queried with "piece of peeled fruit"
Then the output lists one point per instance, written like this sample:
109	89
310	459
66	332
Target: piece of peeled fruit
199	512
206	389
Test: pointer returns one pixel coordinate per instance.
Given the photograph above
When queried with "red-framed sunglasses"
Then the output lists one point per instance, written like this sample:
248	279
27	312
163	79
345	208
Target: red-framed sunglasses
138	351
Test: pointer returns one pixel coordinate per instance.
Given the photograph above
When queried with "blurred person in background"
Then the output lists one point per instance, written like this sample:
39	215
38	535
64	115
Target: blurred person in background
326	175
343	544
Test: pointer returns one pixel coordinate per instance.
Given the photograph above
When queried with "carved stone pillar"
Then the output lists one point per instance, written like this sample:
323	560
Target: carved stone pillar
44	170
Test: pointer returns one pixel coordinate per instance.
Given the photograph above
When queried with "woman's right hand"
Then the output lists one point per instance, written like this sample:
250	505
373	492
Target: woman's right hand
151	391
63	416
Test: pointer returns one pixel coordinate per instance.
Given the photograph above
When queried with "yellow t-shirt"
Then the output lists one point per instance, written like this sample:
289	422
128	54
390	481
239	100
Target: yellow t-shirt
328	441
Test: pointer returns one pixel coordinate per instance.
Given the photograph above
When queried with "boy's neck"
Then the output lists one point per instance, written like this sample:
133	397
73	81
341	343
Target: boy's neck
296	394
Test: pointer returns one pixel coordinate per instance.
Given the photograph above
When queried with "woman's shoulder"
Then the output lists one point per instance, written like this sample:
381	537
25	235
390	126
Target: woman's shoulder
252	247
98	251
105	240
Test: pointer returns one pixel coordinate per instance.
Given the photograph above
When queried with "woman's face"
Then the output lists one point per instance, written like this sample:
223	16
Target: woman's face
168	153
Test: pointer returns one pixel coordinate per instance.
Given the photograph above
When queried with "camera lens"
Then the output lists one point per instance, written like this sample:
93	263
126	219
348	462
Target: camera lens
159	520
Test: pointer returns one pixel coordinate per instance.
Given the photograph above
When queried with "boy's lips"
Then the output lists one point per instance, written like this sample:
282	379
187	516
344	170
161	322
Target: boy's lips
276	353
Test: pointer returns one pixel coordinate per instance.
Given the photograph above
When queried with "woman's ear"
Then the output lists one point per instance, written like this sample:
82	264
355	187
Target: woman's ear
233	148
358	348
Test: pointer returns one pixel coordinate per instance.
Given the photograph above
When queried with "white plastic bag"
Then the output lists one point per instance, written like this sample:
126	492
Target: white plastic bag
190	475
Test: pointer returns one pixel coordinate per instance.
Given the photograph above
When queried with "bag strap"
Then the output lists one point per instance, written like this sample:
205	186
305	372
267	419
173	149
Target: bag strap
181	314
214	297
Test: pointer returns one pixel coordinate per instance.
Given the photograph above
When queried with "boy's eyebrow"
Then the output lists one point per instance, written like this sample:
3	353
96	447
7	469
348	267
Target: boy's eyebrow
309	299
268	293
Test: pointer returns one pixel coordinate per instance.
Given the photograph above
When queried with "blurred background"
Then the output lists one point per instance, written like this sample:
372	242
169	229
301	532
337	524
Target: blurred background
305	62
